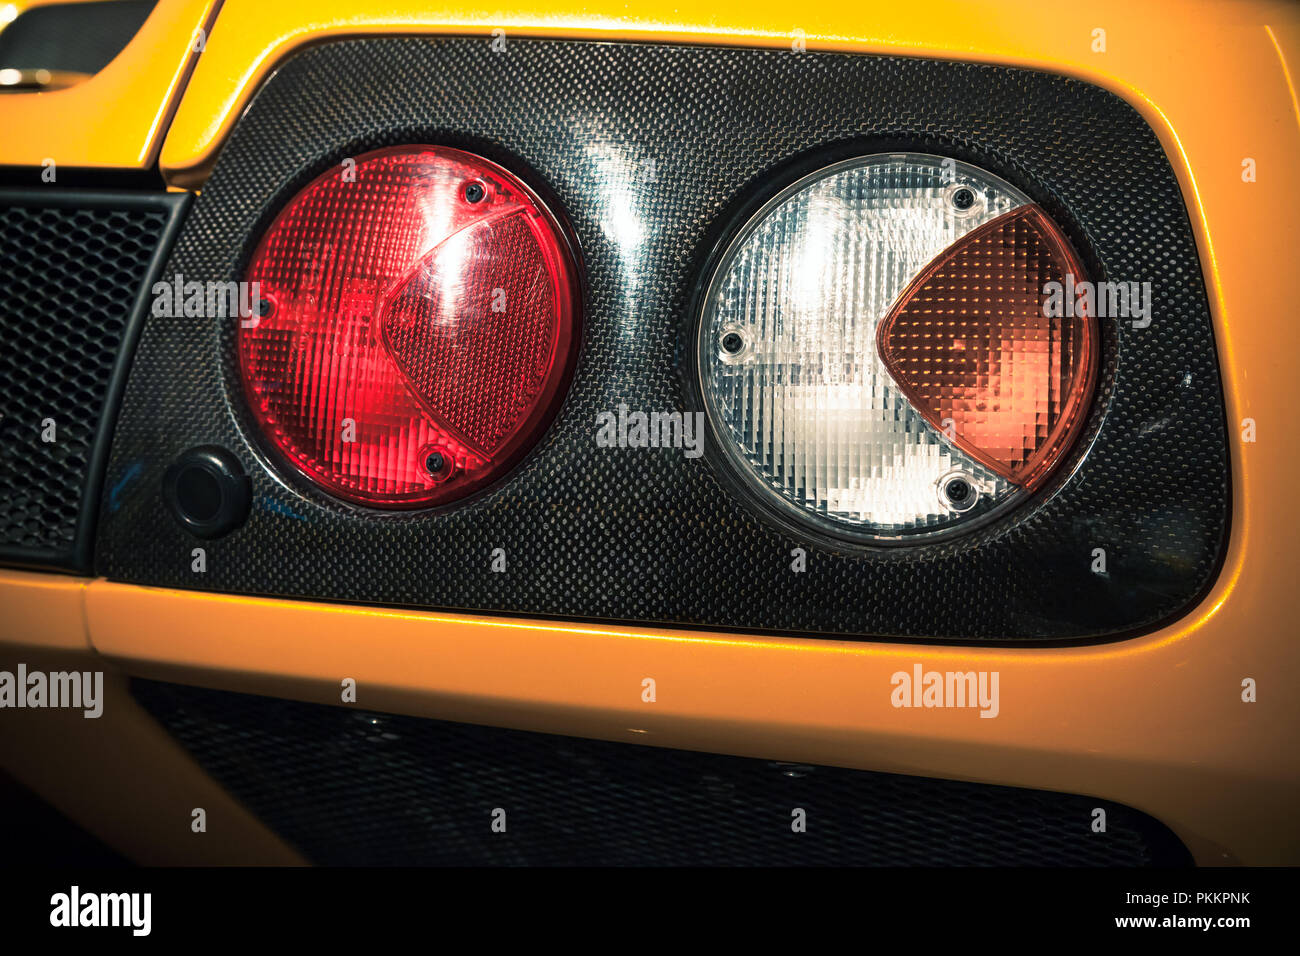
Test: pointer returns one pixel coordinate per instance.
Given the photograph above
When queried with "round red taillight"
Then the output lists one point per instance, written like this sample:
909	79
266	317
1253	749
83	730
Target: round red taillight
419	322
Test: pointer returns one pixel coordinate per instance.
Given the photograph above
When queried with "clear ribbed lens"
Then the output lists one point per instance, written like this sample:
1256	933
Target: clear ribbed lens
792	376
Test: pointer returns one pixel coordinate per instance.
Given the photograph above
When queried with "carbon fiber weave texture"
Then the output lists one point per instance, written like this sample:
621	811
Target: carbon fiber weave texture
647	150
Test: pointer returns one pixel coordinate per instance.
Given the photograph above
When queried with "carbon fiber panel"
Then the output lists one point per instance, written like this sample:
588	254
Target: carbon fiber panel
651	152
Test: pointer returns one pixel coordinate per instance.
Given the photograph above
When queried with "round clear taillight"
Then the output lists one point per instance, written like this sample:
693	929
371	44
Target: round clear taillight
878	351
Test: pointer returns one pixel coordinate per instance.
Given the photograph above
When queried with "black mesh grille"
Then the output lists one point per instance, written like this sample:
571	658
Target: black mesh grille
350	787
80	37
71	271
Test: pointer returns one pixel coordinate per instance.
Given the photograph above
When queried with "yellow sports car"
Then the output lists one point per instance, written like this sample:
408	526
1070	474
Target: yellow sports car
634	434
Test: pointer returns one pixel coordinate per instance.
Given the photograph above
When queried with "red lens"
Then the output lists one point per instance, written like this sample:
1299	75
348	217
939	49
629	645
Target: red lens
421	324
970	345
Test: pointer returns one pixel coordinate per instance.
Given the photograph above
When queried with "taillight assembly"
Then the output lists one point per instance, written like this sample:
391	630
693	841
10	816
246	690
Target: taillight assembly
880	354
419	325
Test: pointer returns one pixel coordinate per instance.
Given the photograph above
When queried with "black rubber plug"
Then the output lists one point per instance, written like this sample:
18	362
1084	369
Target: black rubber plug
207	491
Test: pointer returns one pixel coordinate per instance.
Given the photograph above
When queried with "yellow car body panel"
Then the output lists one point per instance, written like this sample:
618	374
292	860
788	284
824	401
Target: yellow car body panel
117	118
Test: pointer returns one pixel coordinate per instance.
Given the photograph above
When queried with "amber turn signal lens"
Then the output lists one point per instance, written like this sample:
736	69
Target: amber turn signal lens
973	347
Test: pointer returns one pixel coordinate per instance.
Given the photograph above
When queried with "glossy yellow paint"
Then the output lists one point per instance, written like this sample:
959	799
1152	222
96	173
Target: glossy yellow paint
10	10
1156	722
120	774
1160	54
116	118
43	610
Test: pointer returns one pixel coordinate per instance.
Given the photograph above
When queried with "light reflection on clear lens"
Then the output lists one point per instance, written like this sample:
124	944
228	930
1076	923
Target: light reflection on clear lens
811	412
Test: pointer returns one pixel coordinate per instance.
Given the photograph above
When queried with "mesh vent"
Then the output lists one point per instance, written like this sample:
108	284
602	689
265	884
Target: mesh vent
80	37
350	787
69	279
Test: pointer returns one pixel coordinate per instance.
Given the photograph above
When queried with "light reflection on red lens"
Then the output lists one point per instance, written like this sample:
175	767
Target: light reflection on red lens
425	310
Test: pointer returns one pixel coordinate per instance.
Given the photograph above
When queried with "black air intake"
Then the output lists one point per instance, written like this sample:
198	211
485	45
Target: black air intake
76	37
75	270
350	787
